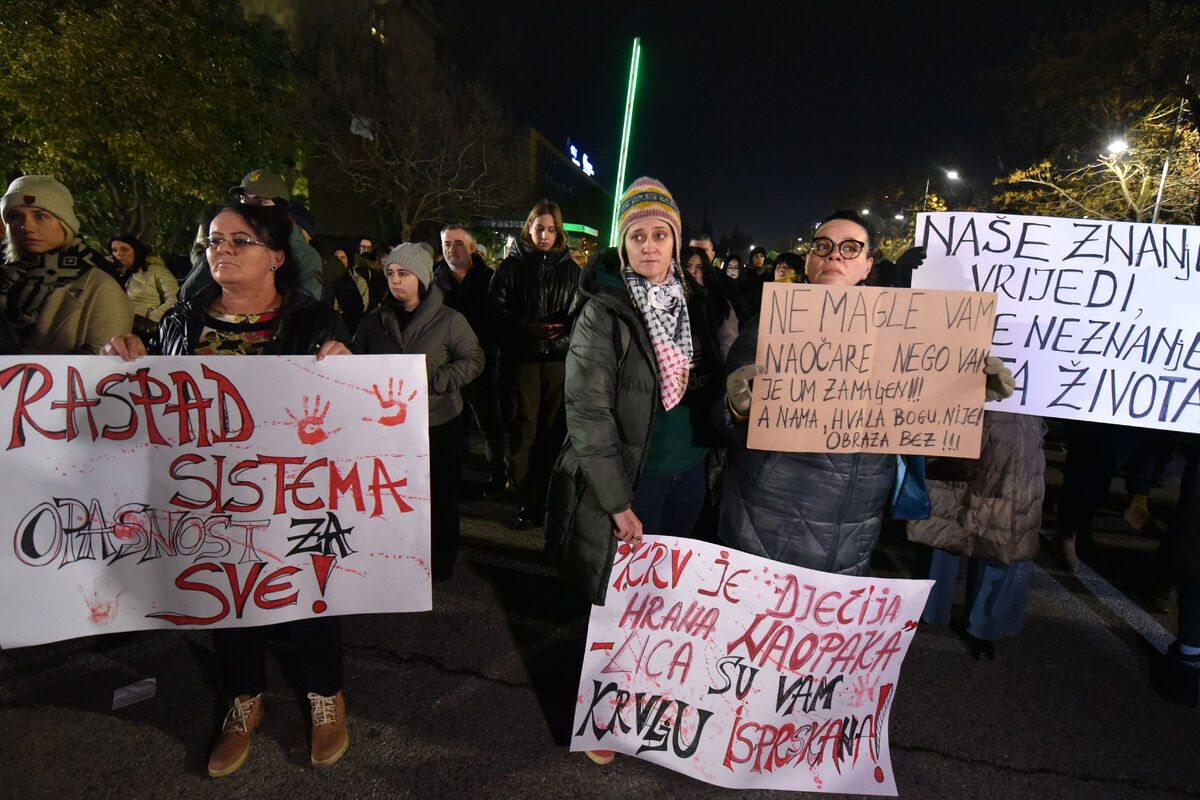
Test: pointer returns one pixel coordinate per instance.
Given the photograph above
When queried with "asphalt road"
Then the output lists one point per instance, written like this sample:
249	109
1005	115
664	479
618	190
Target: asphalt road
474	699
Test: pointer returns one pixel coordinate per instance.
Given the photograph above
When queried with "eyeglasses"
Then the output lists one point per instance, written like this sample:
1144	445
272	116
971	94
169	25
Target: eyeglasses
822	246
247	199
235	242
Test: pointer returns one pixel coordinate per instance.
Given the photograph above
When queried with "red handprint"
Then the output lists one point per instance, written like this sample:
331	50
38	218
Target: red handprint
308	427
393	401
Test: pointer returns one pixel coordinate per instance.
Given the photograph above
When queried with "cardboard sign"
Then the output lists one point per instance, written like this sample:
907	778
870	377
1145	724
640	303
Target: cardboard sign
745	672
1097	319
210	492
864	369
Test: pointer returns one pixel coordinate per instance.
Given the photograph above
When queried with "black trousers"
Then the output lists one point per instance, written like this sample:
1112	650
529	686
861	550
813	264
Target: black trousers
242	655
444	443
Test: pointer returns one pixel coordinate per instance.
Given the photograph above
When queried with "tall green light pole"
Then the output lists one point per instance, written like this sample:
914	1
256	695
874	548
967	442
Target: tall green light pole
630	93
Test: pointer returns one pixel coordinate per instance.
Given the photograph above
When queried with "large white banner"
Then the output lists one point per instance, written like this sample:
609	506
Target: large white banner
1097	319
745	672
209	492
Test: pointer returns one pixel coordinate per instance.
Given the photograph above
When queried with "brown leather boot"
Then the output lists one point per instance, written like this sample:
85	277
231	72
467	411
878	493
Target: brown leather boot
329	737
233	743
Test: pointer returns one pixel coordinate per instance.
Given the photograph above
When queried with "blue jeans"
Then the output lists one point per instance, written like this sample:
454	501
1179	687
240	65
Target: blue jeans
996	594
669	505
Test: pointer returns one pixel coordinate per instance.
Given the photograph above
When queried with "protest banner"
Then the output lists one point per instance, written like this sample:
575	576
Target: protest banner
174	492
1096	318
745	672
868	369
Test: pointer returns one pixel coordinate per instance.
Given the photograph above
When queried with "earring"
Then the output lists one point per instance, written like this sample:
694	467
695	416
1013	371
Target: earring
274	268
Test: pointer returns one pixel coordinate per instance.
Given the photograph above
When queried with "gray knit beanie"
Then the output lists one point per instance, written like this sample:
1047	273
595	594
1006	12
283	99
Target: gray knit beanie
414	258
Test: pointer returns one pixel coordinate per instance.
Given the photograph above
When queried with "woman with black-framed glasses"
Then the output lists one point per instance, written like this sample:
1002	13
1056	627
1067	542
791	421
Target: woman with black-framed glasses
821	511
255	307
817	510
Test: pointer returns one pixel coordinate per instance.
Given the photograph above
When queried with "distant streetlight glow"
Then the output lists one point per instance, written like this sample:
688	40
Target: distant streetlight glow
900	216
866	211
1117	146
951	174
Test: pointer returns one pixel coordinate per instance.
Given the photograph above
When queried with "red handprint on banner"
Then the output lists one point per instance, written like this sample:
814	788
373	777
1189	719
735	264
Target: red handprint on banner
309	427
392	401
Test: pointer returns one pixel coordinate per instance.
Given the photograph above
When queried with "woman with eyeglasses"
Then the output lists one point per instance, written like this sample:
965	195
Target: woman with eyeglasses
817	510
255	307
821	511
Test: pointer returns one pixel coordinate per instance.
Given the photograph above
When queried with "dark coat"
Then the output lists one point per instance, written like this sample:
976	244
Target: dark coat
532	287
469	297
997	513
821	511
611	396
303	325
1183	537
453	357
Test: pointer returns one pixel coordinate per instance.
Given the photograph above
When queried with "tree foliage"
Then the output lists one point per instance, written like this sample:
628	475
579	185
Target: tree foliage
419	143
1121	185
143	109
1113	70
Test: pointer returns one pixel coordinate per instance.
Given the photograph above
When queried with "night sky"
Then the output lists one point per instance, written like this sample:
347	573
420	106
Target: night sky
764	119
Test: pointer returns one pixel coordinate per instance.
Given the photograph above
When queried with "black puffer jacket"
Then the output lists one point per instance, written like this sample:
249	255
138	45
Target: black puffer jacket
532	287
611	395
821	511
303	325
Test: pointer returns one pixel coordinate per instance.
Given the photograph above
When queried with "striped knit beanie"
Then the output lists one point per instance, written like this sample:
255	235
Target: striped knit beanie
645	199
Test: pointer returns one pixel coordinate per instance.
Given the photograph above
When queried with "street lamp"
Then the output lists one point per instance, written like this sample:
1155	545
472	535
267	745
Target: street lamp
951	174
866	211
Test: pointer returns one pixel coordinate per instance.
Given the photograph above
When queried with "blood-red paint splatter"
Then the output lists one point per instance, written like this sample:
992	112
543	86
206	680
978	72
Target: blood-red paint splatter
879	774
101	612
319	607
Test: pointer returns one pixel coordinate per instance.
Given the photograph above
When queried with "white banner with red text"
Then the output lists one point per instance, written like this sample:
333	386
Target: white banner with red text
190	492
745	672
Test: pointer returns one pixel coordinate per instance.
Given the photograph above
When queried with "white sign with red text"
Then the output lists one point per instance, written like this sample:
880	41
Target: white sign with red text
745	672
210	492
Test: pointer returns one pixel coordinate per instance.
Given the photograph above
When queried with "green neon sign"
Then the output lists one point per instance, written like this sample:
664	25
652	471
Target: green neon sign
630	93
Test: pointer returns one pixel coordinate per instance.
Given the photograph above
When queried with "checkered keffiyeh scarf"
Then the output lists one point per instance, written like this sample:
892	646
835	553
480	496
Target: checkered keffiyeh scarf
664	307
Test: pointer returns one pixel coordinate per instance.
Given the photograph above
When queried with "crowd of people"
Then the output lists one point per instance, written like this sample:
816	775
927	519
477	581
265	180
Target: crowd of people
612	396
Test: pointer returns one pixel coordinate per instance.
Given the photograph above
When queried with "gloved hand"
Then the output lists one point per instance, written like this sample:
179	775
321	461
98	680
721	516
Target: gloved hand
1000	381
911	258
738	387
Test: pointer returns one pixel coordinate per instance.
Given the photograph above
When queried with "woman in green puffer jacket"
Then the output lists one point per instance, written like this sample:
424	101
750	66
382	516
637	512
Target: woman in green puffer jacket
640	372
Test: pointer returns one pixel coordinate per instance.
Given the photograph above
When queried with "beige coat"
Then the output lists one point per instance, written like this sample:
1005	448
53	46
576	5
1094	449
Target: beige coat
152	291
82	316
997	514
